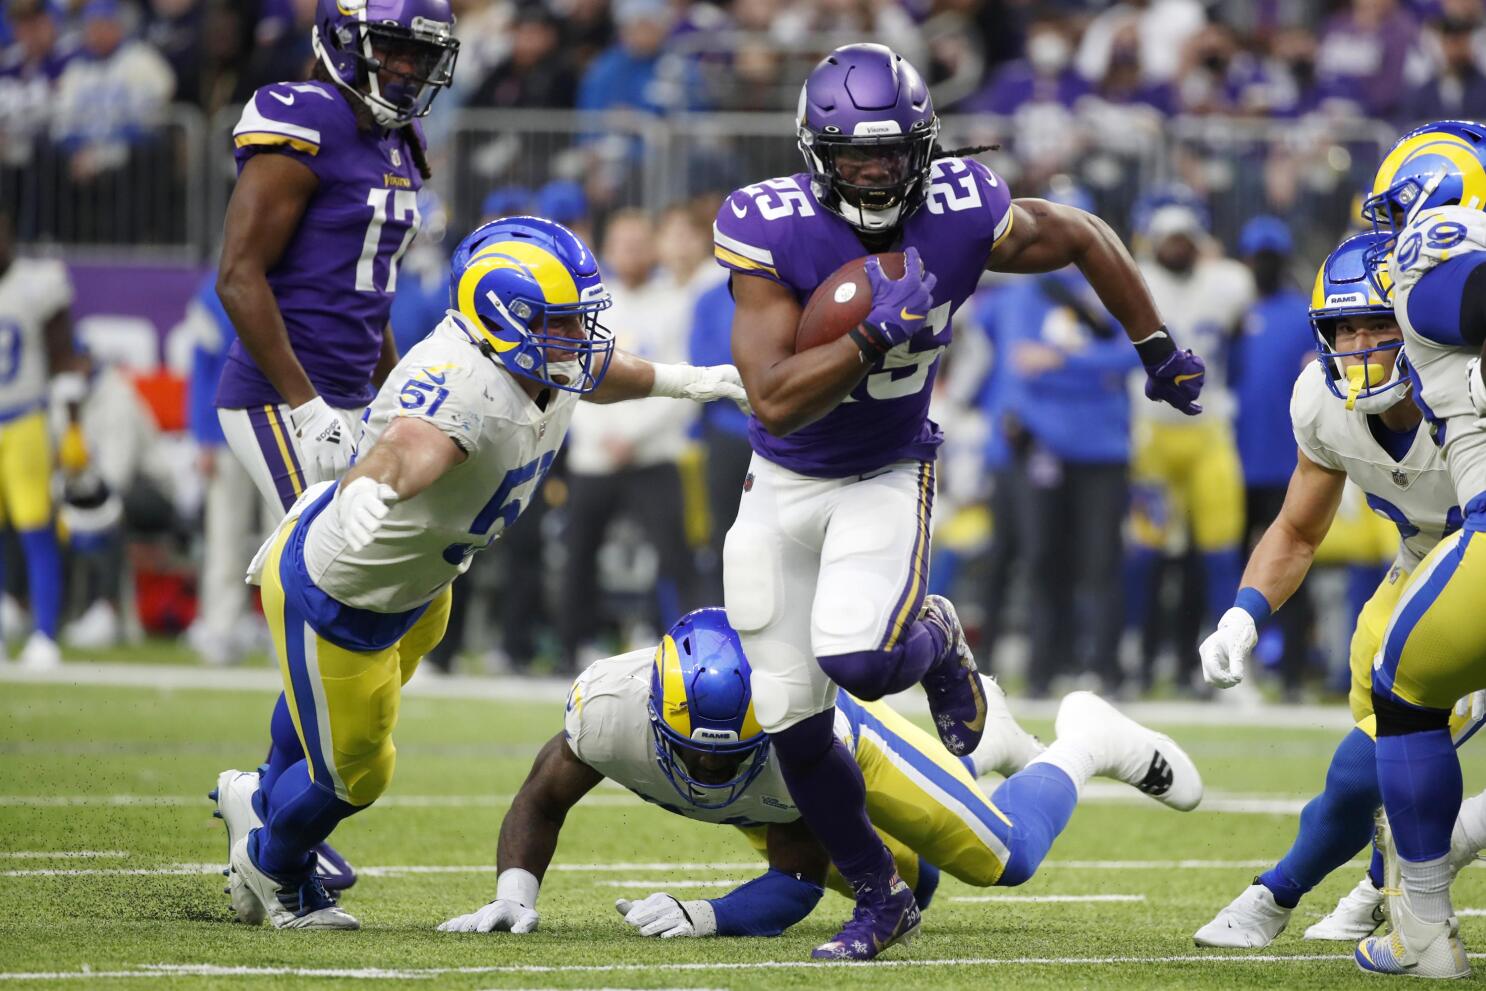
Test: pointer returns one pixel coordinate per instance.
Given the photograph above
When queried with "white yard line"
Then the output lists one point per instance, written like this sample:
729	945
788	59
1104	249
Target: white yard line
63	854
158	971
1045	899
669	883
510	689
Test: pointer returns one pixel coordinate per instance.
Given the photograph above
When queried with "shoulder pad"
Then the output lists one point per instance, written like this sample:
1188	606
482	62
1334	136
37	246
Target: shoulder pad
292	115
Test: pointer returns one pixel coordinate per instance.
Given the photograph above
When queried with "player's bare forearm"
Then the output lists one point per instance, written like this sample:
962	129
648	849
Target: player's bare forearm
262	217
556	782
410	456
787	390
1045	237
1284	554
387	360
629	377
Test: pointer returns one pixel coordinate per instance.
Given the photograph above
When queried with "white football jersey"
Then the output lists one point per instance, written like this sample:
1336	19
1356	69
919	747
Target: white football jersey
608	727
1435	236
427	541
1201	311
32	291
1415	494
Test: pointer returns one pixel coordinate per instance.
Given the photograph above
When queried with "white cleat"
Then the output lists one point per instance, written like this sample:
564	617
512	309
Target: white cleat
95	629
41	653
1124	750
295	903
1415	947
1250	921
234	797
1005	748
1358	914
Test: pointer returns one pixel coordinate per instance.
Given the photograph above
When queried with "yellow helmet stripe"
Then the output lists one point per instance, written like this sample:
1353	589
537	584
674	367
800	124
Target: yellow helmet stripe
674	709
543	267
1457	150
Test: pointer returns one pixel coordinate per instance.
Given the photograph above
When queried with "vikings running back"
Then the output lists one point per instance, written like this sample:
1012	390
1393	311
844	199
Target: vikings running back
676	725
325	206
1428	195
1354	419
825	569
356	579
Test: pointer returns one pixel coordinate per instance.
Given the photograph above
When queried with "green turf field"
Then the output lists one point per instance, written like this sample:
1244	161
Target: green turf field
104	781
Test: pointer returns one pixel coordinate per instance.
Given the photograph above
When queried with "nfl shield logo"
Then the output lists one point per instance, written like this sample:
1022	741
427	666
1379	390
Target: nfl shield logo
1400	477
396	158
748	482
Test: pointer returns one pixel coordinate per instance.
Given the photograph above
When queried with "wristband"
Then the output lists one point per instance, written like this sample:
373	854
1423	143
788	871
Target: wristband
1253	602
517	885
701	916
871	348
671	379
1156	348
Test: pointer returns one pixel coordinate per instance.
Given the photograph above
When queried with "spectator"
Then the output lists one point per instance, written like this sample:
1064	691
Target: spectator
29	69
532	74
636	73
175	28
1044	75
1285	84
1159	29
1363	50
1458	90
1273	343
624	458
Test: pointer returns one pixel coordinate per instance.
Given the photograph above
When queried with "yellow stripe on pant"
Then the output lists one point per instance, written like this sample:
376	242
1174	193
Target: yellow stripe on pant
26	472
344	703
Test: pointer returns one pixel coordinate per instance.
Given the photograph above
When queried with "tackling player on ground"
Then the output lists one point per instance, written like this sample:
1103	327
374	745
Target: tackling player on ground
825	568
356	578
1428	196
677	726
1354	418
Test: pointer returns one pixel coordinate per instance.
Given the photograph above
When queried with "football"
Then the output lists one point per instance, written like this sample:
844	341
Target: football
842	301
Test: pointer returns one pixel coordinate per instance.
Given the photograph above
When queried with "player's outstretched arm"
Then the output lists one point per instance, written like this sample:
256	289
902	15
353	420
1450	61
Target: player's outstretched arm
1047	236
632	377
1275	569
528	838
765	906
410	456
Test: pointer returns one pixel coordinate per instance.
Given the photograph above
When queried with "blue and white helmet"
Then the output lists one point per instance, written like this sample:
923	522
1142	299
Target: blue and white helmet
1345	287
511	277
867	100
701	699
354	39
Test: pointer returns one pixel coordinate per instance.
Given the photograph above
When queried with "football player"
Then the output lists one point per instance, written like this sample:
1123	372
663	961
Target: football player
677	726
356	578
36	358
325	206
825	568
1428	196
1354	417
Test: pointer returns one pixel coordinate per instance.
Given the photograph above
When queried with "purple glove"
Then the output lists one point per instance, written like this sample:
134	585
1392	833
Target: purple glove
1173	376
899	306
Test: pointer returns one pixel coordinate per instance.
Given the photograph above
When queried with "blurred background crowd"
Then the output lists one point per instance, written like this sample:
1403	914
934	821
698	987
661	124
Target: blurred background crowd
1086	536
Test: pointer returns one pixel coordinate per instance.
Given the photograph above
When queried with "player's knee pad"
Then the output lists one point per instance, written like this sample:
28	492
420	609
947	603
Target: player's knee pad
1396	718
750	577
367	775
867	674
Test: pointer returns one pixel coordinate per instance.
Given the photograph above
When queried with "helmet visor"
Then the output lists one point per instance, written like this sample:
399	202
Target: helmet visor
412	65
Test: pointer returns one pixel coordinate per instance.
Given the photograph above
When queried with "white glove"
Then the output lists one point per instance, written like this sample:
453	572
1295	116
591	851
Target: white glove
361	507
1472	706
501	915
1475	387
664	916
701	384
324	441
1226	651
514	909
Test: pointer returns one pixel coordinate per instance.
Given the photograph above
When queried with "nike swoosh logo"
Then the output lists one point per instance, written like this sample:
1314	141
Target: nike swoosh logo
737	212
909	316
978	724
1187	378
287	101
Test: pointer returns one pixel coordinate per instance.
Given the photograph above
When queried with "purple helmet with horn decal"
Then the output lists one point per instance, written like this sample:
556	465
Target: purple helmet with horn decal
392	55
867	130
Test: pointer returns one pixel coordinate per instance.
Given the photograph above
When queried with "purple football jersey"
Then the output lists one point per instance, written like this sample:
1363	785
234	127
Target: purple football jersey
777	230
335	282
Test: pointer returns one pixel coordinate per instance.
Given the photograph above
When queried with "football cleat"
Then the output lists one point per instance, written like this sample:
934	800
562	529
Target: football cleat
1124	750
41	653
957	700
1250	921
1005	748
1358	914
290	902
1415	947
238	806
882	918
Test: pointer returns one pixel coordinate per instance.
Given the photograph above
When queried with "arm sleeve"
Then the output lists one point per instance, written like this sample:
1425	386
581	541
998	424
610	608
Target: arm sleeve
765	906
1448	303
288	119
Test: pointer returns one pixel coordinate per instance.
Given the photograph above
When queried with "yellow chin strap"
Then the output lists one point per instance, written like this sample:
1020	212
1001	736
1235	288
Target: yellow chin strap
1363	376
